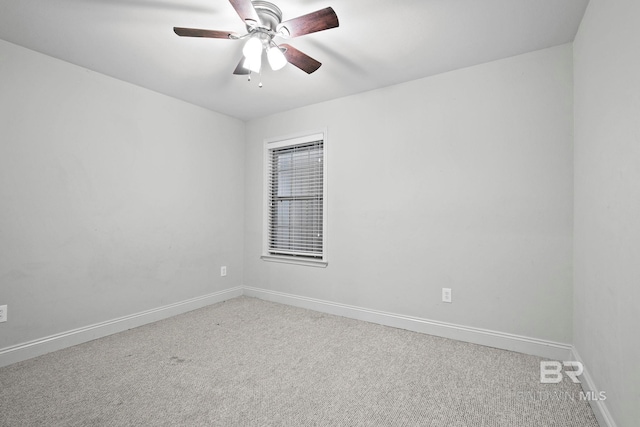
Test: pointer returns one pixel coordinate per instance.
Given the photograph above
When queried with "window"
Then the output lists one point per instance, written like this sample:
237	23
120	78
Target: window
295	200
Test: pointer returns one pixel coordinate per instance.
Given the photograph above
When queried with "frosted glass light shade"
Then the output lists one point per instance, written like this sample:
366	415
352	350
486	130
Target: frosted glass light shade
253	63
252	48
276	58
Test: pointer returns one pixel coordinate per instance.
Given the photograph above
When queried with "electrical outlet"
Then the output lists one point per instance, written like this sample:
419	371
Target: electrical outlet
446	294
223	270
3	313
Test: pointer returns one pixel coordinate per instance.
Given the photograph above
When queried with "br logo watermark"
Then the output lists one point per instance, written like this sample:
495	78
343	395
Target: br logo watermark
551	371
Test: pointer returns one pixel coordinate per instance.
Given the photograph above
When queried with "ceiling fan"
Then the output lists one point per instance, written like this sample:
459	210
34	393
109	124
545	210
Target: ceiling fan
264	22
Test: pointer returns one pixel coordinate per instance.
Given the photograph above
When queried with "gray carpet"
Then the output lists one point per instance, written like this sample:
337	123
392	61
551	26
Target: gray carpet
248	362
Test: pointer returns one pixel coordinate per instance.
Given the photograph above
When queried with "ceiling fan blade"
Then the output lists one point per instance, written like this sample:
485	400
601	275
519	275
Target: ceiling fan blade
195	32
245	9
240	70
300	60
319	20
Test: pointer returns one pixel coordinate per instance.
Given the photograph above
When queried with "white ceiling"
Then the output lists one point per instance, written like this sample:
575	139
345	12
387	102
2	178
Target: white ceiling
378	43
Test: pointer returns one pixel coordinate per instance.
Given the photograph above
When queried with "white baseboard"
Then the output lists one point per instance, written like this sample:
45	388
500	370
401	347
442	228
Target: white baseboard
599	407
542	348
521	344
55	342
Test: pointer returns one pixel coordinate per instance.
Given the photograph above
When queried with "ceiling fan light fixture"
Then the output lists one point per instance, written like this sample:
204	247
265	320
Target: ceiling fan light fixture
276	58
252	48
253	63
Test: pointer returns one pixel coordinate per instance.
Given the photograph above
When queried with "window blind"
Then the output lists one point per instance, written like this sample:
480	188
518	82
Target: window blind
295	189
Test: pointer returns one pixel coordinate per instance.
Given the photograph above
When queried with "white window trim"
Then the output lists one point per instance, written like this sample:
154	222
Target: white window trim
278	142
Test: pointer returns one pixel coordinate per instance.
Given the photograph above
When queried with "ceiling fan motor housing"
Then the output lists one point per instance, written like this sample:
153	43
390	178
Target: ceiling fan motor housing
270	15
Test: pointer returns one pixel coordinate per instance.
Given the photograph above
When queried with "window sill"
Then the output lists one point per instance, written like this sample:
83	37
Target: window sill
298	261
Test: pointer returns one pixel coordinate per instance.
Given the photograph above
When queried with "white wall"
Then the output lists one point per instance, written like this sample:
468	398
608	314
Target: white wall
113	199
461	180
607	202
